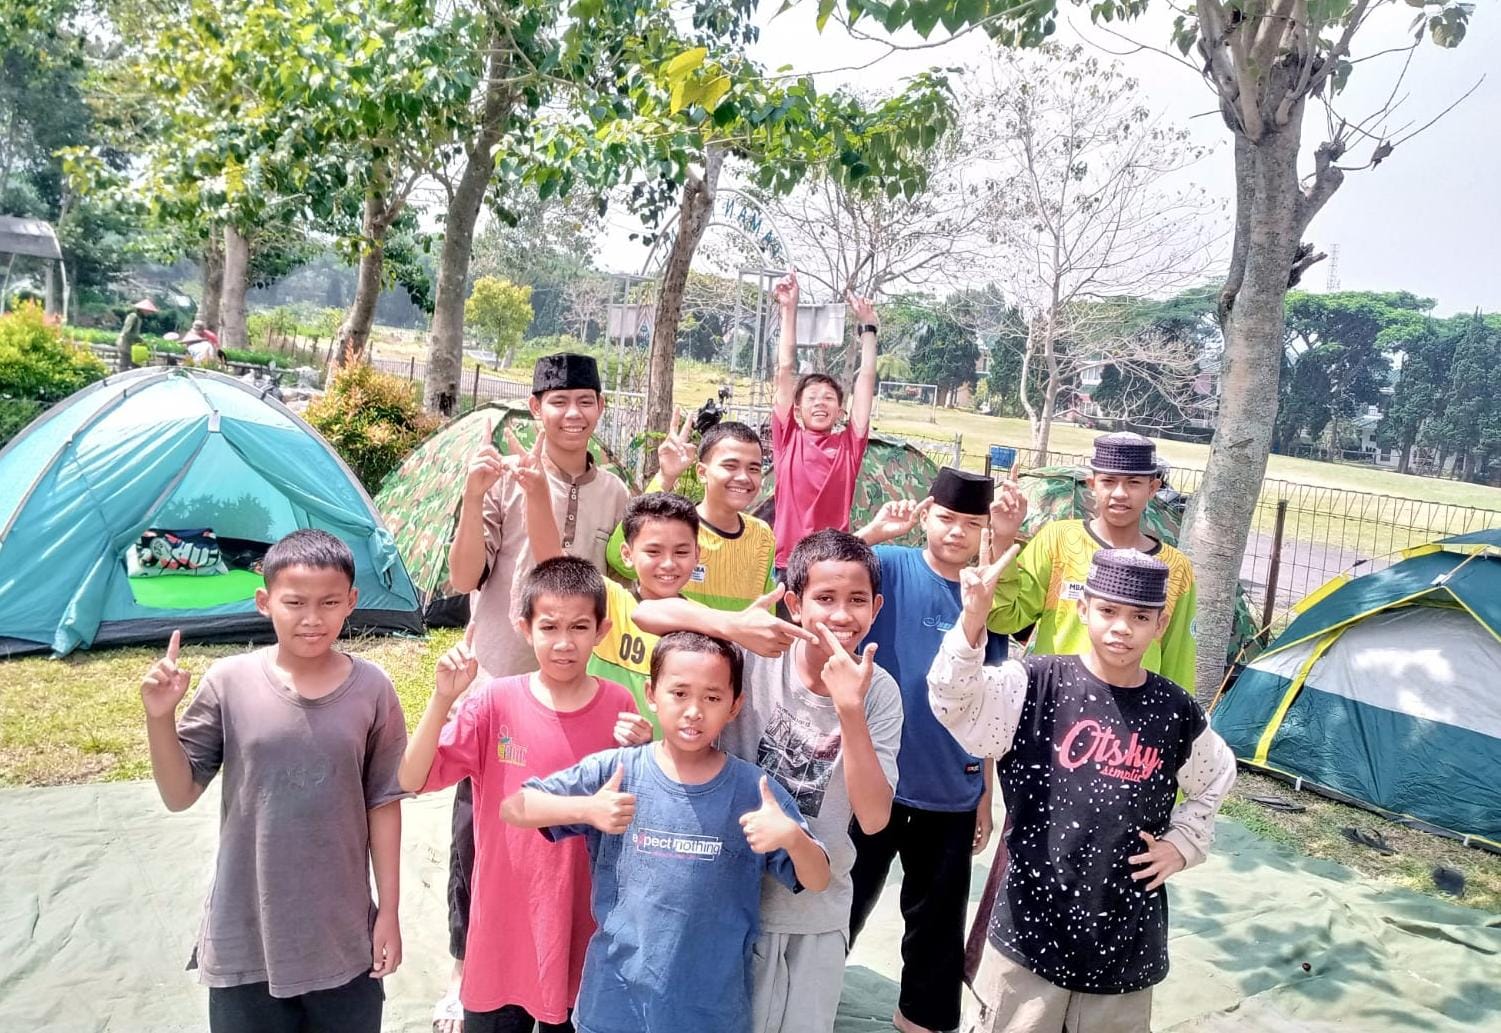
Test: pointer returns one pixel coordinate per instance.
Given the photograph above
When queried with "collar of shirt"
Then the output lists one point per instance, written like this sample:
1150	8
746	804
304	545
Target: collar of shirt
591	470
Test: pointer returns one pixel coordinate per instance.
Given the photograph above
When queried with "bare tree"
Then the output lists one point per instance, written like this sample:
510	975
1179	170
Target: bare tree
1085	211
844	241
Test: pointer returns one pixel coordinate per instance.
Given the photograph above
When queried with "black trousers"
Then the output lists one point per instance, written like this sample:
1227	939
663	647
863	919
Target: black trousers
511	1019
354	1007
460	867
936	849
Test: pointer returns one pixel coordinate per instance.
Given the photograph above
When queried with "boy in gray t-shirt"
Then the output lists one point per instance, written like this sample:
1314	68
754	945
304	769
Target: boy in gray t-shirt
825	723
310	741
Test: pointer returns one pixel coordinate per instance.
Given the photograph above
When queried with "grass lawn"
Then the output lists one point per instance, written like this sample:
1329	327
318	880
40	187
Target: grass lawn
79	720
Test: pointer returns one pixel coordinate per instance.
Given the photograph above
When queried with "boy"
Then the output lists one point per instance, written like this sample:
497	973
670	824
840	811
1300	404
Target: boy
941	816
826	724
736	550
310	740
529	920
1044	586
677	884
1094	750
490	556
817	465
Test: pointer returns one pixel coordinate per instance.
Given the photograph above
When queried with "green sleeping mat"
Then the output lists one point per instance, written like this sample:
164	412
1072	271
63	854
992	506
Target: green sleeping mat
195	593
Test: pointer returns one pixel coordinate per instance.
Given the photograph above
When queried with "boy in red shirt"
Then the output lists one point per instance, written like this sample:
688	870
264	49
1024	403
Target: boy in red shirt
816	465
529	916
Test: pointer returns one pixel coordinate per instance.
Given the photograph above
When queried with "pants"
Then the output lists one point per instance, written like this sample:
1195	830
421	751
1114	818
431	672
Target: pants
936	849
1013	999
354	1007
460	867
511	1019
796	980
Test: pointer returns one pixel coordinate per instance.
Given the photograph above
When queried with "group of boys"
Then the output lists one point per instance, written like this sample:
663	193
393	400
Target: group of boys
720	793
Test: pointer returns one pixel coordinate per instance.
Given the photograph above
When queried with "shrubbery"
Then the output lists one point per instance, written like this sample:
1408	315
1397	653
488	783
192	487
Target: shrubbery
37	363
373	420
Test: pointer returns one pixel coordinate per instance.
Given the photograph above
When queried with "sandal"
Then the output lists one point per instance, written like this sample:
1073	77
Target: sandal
1277	803
448	1014
1368	838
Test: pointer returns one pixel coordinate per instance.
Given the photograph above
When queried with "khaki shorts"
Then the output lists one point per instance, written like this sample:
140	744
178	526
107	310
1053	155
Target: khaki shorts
1012	999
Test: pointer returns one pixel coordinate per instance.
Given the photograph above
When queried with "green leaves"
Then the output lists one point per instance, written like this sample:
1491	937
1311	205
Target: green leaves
679	67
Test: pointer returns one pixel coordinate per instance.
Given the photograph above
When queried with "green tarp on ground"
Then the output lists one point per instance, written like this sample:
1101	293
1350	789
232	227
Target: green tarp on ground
103	890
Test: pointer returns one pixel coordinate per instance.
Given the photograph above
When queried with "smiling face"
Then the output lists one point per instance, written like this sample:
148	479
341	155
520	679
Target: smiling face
838	594
563	632
693	697
663	554
568	417
819	406
1121	499
732	472
1120	633
307	607
953	538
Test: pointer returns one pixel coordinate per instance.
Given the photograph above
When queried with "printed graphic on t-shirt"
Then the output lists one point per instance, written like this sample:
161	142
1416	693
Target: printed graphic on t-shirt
1072	591
508	750
1091	742
685	846
800	757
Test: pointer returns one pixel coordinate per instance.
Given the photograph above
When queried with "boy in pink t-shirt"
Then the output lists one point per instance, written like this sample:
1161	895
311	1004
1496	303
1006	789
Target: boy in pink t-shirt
816	465
529	917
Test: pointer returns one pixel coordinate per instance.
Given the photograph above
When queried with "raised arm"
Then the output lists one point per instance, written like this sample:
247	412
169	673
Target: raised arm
755	628
865	379
467	554
457	669
786	294
896	518
161	690
980	706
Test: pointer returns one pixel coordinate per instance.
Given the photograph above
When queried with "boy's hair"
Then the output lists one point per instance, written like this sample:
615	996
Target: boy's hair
729	430
563	576
658	505
816	378
308	547
825	546
693	642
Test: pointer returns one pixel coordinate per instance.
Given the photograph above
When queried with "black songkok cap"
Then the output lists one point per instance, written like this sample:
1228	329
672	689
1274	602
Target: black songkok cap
962	491
565	371
1128	576
1125	453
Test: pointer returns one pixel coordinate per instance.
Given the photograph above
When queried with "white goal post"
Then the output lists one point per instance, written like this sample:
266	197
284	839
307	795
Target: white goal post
909	393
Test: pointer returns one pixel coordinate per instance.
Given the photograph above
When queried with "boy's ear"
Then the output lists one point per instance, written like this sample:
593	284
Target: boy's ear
1083	605
354	598
875	607
601	631
735	706
263	602
1161	621
524	629
625	554
535	405
794	606
650	692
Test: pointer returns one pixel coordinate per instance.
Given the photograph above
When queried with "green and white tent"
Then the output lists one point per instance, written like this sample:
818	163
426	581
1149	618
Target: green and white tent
1386	691
172	449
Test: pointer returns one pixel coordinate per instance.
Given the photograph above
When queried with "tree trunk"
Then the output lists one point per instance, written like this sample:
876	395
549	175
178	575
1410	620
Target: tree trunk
445	349
1405	463
354	334
694	212
212	270
1221	514
232	298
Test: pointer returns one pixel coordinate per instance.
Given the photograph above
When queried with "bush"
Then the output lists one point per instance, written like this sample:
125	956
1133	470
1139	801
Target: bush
373	420
15	414
37	363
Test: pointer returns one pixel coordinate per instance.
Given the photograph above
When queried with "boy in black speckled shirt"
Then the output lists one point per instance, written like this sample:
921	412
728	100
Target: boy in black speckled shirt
1093	750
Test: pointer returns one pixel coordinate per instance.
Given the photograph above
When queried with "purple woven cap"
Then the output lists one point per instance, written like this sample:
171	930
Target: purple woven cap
1127	576
1125	453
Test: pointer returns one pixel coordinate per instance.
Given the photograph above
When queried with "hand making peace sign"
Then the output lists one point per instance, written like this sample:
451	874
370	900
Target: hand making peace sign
525	464
677	451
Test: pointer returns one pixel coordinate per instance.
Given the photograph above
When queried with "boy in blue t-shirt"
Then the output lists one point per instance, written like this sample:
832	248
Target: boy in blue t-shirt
940	816
679	835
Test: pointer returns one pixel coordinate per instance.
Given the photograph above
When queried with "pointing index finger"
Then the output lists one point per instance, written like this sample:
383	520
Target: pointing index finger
174	646
513	442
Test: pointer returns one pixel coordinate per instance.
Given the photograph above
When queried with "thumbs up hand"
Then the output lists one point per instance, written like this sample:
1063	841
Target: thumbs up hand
610	810
768	827
166	683
457	669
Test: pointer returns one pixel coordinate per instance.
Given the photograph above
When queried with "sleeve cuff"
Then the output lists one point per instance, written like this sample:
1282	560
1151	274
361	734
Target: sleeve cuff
957	643
1192	855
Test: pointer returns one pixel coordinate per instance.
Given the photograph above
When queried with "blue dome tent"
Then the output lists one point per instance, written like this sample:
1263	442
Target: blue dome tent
169	449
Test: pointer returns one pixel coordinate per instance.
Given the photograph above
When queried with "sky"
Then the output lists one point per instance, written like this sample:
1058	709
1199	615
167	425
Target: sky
1428	220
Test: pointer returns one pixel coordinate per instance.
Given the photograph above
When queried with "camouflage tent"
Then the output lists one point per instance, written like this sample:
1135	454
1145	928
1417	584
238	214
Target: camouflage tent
420	499
1060	493
892	469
